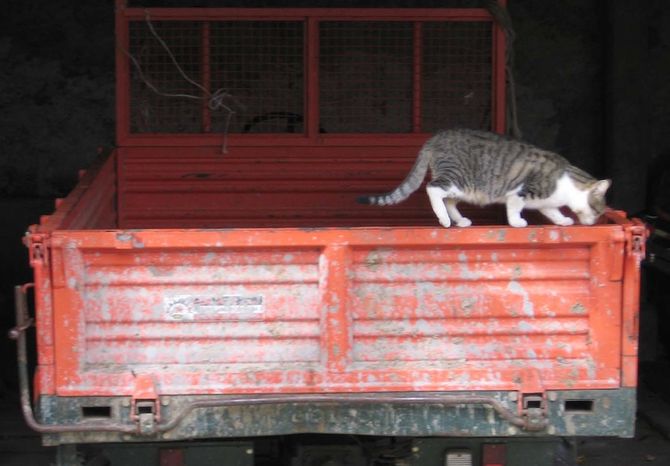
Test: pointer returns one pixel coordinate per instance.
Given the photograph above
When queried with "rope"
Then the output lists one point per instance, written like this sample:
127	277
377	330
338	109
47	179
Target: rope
215	101
502	17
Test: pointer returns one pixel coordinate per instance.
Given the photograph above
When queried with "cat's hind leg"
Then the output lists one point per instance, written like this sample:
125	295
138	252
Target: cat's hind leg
455	214
437	195
555	215
515	204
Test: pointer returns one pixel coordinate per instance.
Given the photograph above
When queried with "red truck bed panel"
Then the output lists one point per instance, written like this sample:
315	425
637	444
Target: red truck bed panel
337	310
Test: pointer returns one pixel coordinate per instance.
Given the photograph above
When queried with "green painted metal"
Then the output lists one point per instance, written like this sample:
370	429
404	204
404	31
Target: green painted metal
588	413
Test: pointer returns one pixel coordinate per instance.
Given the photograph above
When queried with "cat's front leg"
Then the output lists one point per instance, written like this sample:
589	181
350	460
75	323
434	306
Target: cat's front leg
514	204
556	216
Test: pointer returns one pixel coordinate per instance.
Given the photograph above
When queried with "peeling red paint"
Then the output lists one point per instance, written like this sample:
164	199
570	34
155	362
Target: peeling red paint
335	310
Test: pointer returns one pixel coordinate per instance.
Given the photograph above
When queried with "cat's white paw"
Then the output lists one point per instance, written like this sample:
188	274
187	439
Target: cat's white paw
464	222
518	223
445	222
565	221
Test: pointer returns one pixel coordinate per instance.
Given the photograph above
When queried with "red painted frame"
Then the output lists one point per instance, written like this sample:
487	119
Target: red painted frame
311	17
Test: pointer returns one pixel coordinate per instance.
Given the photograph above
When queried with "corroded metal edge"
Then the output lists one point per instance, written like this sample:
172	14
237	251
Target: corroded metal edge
612	413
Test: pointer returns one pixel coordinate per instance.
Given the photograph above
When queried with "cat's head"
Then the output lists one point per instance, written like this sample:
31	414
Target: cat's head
592	204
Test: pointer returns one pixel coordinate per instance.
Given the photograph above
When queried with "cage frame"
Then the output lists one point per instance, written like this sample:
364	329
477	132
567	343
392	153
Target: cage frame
311	18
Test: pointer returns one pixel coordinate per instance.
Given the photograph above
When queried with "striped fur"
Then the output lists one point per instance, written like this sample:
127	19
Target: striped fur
482	168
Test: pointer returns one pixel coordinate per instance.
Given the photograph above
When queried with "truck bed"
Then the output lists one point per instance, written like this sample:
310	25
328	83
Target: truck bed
201	274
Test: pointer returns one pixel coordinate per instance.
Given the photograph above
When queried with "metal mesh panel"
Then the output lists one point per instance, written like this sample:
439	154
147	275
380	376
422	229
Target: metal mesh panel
456	75
259	64
365	76
366	73
151	112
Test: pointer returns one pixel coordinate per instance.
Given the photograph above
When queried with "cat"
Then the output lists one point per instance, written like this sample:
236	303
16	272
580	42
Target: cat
484	168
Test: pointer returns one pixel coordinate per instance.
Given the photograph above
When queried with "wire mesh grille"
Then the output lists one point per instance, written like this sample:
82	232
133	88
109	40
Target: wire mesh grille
256	65
170	111
456	75
261	64
366	76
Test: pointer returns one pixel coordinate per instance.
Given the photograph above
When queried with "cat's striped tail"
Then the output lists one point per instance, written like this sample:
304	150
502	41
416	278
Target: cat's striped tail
411	183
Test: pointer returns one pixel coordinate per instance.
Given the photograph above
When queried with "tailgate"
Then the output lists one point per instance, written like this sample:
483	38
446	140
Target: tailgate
335	310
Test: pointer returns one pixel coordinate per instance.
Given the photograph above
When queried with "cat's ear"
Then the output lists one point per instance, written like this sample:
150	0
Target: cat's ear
600	187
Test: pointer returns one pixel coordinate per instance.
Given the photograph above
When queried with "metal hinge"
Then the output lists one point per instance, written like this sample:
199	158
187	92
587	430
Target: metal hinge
37	247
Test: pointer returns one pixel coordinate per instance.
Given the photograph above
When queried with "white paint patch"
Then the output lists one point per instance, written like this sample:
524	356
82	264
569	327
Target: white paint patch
528	308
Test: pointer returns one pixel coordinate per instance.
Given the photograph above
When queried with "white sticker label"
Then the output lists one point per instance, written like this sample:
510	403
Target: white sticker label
212	308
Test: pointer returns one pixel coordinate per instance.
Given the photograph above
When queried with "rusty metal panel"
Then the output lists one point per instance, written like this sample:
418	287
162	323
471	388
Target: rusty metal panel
226	307
569	413
493	305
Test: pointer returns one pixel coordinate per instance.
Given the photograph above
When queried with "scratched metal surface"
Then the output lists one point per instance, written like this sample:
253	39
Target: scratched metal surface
337	310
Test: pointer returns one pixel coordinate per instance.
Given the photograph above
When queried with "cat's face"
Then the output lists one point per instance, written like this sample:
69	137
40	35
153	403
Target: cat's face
593	203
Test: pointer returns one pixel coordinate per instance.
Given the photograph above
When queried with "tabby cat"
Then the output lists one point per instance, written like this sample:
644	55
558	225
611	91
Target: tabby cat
483	168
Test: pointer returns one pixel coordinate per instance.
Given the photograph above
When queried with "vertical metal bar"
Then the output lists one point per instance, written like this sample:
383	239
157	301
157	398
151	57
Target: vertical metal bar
206	77
631	303
335	318
499	100
311	51
69	324
44	326
122	74
119	156
416	76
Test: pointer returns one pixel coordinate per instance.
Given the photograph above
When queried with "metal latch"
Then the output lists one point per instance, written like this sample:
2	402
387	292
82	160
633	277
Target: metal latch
637	244
144	408
638	239
534	409
146	414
